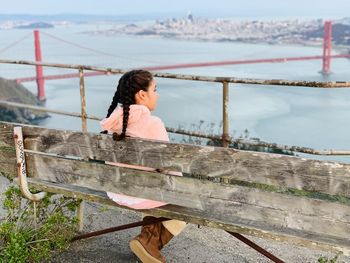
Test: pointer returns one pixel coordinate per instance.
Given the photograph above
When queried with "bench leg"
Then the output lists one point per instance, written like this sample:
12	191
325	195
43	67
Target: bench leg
80	215
256	247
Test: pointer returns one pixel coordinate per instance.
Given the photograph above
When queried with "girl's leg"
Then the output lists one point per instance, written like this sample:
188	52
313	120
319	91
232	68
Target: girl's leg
175	227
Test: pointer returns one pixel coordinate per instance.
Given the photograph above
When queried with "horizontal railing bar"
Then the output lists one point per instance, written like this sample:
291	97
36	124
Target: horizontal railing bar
291	148
59	65
278	82
272	82
42	109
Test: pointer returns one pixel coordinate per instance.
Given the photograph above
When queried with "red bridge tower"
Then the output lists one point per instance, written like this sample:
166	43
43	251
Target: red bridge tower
39	69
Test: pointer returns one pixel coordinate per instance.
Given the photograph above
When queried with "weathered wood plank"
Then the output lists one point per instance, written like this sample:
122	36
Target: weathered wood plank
196	216
229	203
229	164
7	151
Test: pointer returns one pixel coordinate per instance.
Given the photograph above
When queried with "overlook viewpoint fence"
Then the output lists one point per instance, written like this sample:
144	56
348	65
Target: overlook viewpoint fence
225	81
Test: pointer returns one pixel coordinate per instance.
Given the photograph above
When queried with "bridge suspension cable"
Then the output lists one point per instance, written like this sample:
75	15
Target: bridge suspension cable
95	50
15	43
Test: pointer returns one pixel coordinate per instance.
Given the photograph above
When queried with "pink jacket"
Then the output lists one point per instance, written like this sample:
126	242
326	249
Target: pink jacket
141	124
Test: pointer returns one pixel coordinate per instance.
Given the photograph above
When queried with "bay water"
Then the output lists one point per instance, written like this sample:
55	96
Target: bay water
301	116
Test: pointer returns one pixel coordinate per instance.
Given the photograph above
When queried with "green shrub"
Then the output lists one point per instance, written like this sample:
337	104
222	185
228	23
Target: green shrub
327	260
241	143
31	232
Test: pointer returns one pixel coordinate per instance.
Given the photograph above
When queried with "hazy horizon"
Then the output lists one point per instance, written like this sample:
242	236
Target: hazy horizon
219	8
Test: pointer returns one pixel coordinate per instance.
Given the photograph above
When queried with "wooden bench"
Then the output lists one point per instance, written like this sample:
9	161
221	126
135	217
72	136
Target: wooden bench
302	201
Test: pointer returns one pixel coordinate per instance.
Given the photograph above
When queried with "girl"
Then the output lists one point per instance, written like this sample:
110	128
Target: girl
137	93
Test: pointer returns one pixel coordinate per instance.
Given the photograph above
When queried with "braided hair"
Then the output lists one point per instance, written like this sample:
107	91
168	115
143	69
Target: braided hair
129	84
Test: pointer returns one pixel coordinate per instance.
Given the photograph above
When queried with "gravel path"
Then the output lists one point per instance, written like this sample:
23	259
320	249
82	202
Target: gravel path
202	245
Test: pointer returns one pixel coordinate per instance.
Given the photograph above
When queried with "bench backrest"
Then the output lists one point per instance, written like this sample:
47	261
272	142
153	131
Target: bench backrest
282	197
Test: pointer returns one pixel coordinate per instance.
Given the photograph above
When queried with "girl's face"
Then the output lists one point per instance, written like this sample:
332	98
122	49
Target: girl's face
148	98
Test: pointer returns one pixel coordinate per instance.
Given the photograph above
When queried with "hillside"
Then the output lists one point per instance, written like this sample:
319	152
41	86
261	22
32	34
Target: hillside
13	92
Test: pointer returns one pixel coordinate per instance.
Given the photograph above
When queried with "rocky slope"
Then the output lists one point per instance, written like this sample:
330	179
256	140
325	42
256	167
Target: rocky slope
13	92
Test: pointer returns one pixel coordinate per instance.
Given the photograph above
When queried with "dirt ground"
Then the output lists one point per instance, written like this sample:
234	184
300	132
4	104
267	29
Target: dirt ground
202	245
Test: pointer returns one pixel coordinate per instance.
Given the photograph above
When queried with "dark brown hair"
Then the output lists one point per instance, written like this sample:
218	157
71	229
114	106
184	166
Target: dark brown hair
129	84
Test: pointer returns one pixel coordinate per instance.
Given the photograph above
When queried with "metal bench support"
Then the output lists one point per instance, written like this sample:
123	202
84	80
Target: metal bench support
21	167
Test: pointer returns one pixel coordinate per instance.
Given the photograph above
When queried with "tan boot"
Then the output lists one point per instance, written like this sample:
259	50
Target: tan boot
146	246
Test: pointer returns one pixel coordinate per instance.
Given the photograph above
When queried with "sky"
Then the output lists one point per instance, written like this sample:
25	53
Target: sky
212	8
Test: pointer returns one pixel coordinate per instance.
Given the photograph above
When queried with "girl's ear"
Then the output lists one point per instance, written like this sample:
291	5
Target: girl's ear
140	96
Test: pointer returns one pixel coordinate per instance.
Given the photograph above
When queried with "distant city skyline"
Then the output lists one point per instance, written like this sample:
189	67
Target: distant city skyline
219	8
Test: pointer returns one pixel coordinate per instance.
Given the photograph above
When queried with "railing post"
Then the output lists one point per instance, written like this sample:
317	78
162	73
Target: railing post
80	209
82	101
225	119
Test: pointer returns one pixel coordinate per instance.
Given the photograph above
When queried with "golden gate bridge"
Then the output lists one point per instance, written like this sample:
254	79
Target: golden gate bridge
40	78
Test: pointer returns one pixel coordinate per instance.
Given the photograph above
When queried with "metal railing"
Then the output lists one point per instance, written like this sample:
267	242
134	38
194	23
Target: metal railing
225	138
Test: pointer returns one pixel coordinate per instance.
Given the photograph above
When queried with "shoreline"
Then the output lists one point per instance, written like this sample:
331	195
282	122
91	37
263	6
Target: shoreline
338	48
273	32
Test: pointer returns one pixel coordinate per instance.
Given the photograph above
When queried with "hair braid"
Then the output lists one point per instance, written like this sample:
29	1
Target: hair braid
128	99
114	103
